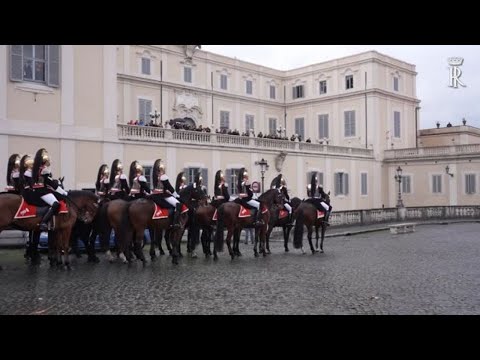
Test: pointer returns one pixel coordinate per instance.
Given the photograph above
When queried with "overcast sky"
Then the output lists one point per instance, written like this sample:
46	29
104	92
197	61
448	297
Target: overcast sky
438	101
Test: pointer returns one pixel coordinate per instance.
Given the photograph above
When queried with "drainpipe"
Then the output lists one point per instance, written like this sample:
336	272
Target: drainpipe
416	125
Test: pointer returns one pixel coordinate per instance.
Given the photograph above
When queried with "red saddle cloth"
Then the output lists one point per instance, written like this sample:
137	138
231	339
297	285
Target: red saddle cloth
244	212
214	218
27	210
162	213
283	214
320	214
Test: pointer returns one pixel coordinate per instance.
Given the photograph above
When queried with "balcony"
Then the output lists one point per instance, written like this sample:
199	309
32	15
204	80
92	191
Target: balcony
434	152
171	136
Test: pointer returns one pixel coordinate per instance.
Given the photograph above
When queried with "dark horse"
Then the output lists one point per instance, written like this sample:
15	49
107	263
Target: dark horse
228	217
306	214
139	216
276	222
81	205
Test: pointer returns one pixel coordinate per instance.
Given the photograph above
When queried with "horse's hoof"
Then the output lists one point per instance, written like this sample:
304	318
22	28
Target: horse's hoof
215	258
256	254
286	250
232	256
268	251
264	254
239	253
321	251
153	258
162	252
174	261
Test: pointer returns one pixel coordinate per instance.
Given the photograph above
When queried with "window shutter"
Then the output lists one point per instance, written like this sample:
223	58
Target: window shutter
336	183
16	62
228	177
320	178
53	67
345	182
293	93
141	109
204	173
148	109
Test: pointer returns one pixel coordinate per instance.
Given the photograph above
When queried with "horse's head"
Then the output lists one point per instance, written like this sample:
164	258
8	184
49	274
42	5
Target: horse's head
272	197
86	203
326	197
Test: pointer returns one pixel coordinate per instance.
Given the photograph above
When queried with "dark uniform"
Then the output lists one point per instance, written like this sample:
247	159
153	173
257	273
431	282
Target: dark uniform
138	182
118	182
26	166
220	192
42	186
280	184
13	175
245	194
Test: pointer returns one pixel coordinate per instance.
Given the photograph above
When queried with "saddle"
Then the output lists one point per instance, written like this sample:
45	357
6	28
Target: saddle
243	213
26	210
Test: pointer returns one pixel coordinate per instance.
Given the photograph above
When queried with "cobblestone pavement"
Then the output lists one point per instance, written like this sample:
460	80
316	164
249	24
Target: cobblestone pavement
432	271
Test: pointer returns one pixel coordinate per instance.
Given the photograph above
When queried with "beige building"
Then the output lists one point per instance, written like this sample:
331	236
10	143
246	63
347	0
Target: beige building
360	113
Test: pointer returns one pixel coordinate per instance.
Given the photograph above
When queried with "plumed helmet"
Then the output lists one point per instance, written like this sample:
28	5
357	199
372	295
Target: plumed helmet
181	179
103	170
219	177
117	166
313	183
277	182
156	172
135	169
13	163
198	179
41	159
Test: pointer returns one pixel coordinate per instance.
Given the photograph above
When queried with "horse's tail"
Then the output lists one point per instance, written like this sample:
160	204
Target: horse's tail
220	228
298	231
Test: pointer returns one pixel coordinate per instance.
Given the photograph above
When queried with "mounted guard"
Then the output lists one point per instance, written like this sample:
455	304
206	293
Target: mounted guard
118	181
245	195
280	184
13	175
42	186
139	185
318	197
221	194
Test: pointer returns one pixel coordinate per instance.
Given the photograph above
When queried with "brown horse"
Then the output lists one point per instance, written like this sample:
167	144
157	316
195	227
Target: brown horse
306	214
228	216
203	220
81	204
140	213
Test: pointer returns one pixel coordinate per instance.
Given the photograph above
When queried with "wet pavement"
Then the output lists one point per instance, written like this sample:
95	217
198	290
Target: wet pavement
435	270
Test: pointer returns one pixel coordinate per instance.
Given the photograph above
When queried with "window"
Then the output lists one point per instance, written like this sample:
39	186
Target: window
300	127
437	184
249	85
148	172
232	178
323	87
272	91
224	120
187	74
395	83
249	123
223	82
470	183
36	63
341	183
190	174
396	124
320	178
363	184
349	123
146	66
349	82
298	92
272	126
323	126
406	184
144	110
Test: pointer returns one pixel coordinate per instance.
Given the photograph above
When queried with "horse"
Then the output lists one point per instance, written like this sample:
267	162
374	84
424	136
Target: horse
139	216
228	216
276	222
82	205
306	214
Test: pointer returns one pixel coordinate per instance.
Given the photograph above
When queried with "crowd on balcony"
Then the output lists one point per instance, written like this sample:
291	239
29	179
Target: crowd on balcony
179	125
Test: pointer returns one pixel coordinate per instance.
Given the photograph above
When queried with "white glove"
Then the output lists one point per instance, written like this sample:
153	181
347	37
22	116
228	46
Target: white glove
176	195
61	191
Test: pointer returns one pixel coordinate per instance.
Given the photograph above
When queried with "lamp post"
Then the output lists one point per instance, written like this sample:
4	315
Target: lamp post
398	178
155	115
263	167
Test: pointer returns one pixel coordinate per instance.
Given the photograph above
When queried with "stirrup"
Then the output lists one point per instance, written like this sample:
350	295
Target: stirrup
43	227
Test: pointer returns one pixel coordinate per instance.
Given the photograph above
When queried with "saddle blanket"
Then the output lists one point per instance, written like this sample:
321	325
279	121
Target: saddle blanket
26	210
163	213
283	214
320	214
243	213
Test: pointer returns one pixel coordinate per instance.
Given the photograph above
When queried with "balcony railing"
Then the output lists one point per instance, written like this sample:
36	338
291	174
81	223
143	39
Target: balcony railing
161	135
434	151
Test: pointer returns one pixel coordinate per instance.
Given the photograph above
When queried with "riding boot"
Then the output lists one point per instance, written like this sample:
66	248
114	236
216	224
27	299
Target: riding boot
258	221
47	217
327	215
176	216
290	219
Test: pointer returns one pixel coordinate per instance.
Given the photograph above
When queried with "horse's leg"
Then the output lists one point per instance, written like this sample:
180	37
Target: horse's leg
167	241
65	247
92	257
324	227
174	238
228	240
28	246
158	240
152	232
262	234
285	237
309	235
236	242
255	246
137	247
316	237
267	238
34	254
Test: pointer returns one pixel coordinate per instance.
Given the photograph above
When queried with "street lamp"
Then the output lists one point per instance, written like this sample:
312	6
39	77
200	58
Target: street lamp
263	167
155	115
398	178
